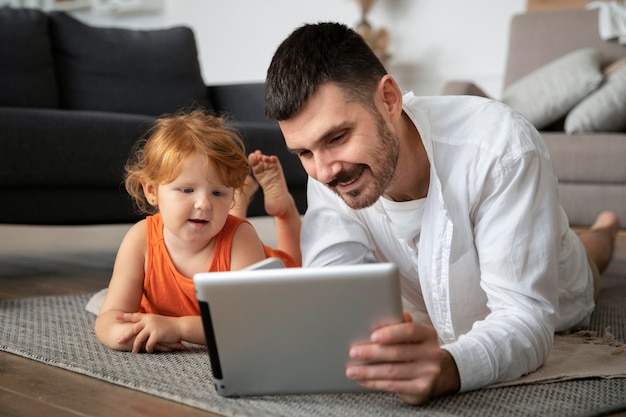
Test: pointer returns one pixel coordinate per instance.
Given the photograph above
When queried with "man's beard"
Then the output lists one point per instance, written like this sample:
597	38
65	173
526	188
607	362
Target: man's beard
387	153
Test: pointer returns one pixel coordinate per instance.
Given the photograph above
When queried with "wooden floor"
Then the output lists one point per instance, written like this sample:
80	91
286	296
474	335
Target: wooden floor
58	260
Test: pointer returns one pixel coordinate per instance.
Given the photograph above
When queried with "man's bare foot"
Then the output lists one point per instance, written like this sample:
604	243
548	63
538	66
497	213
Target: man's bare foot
599	239
608	221
269	174
243	197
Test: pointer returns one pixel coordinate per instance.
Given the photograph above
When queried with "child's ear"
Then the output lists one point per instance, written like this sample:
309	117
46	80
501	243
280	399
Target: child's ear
150	191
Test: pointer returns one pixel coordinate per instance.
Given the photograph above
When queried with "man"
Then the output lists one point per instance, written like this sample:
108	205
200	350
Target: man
459	192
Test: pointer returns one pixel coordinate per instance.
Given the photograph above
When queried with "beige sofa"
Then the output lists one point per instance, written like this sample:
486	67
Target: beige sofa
590	159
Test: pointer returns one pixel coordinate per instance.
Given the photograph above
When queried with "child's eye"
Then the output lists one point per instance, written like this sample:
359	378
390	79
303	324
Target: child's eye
218	193
187	190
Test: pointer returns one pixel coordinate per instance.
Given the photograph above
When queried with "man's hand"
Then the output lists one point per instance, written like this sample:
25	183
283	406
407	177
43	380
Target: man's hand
407	360
150	332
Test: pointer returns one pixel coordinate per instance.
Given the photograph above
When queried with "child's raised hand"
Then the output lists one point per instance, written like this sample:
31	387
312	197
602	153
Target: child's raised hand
151	332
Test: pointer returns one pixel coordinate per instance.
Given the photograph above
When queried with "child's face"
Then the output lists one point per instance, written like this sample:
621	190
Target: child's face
195	205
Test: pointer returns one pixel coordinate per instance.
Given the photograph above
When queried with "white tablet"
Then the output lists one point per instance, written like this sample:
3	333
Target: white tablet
289	330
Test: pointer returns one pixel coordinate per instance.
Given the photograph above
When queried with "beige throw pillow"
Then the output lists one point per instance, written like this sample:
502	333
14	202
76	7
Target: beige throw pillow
548	93
605	109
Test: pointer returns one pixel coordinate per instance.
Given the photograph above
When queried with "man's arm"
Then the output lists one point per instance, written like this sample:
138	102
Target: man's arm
516	236
331	233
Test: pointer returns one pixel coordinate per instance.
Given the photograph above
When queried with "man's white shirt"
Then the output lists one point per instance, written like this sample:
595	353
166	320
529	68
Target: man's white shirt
488	256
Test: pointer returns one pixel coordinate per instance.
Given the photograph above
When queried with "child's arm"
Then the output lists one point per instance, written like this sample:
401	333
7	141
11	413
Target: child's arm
153	332
125	289
120	326
247	247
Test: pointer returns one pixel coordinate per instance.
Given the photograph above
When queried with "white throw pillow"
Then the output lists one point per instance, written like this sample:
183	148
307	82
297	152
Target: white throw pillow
605	109
549	92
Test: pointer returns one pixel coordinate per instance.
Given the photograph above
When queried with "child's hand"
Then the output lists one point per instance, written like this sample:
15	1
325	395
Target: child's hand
150	332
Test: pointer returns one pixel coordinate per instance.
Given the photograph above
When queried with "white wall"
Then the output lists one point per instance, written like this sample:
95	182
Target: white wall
431	40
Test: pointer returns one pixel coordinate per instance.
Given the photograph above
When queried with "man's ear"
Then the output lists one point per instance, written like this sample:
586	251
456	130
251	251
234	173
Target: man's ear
390	97
150	191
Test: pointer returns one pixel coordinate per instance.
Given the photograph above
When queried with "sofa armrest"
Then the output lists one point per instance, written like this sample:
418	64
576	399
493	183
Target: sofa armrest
463	88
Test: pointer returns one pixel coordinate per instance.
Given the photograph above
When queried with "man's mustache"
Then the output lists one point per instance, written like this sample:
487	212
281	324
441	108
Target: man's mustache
346	176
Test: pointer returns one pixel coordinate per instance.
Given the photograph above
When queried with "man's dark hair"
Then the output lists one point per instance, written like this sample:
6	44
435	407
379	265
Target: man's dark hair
314	54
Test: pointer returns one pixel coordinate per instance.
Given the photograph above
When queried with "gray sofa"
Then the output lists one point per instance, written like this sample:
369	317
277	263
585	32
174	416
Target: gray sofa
578	104
74	99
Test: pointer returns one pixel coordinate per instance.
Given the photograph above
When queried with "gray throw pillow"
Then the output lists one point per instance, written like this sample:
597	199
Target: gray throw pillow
548	93
605	109
27	77
148	72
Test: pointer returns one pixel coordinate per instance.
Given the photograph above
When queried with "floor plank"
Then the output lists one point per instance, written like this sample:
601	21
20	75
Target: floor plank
30	388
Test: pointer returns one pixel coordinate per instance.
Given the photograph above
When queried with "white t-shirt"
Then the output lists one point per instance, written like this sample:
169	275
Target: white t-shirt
489	255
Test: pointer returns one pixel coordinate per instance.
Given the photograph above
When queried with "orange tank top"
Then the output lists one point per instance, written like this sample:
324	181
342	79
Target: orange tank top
168	292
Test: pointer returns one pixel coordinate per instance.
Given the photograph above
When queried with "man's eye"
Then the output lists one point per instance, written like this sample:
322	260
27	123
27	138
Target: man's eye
337	138
304	154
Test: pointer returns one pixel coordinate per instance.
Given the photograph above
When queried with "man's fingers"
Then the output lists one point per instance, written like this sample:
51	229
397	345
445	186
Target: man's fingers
412	382
412	392
401	371
407	332
401	352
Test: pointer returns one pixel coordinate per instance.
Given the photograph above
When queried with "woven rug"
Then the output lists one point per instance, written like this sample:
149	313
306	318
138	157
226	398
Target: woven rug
57	330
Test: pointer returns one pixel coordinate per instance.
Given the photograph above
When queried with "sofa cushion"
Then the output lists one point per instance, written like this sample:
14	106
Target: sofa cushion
604	110
147	72
27	77
549	92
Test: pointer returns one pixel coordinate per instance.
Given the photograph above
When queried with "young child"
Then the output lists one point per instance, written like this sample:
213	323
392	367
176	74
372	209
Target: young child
191	176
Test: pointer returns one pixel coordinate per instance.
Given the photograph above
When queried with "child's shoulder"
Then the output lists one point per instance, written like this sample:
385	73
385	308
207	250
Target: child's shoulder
137	232
133	244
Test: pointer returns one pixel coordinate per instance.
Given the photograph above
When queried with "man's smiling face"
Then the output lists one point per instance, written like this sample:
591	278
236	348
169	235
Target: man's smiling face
344	145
